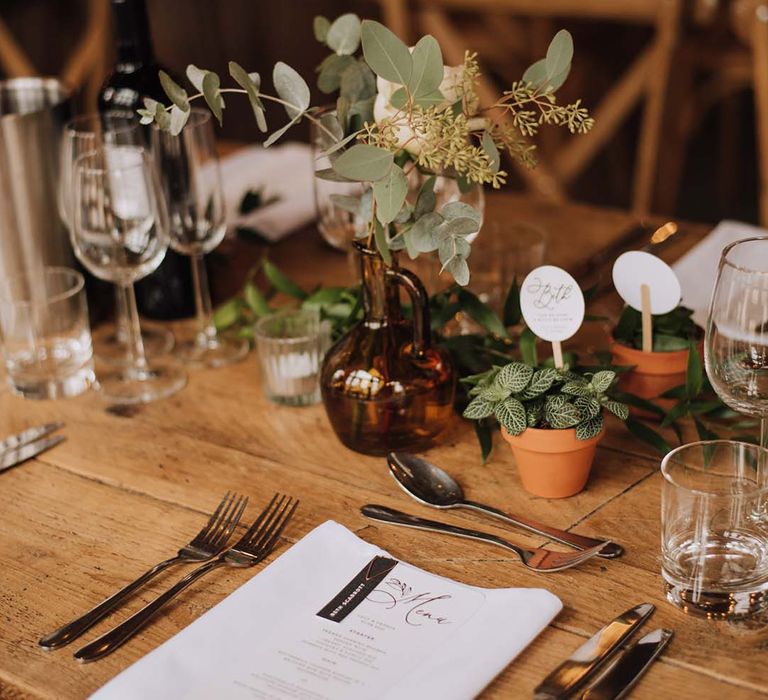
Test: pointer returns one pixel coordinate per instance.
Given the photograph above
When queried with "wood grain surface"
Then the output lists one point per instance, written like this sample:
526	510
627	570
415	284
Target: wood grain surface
128	487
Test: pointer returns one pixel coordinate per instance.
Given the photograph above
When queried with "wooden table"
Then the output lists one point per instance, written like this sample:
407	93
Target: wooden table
129	486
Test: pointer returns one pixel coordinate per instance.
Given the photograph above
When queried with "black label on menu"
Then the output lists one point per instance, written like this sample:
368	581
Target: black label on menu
358	589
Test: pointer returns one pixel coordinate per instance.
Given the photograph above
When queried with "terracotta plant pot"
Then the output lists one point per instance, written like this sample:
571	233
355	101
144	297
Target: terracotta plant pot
654	374
552	463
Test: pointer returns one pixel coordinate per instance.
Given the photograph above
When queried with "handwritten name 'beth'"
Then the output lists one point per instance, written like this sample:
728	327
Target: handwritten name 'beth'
546	295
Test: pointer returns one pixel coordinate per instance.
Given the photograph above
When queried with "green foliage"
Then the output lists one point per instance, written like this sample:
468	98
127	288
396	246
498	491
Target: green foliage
520	396
671	331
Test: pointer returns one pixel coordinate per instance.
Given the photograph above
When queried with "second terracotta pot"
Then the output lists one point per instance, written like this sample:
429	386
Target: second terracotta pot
553	463
654	373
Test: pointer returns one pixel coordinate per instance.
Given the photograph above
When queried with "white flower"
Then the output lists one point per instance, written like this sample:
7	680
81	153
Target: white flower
383	109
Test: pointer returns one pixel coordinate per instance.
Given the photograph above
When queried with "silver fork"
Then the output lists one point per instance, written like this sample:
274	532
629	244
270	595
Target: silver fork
538	559
204	546
254	546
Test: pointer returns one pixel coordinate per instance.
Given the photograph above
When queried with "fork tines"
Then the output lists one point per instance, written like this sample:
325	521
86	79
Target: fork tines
262	536
222	523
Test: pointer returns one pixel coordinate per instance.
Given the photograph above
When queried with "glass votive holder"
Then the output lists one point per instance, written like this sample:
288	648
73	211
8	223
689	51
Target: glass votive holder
290	346
46	337
714	539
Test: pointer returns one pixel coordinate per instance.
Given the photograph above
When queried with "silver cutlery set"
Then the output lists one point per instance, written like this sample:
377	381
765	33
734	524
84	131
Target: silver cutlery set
208	548
600	669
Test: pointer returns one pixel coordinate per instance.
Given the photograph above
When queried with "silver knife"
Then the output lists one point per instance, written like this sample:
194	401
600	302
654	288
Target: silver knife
618	680
10	458
590	656
27	436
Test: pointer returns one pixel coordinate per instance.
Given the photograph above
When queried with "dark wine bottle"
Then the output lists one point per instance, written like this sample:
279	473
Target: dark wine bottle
167	293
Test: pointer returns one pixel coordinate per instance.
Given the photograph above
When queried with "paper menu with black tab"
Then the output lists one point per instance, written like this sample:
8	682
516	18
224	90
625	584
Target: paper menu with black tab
335	618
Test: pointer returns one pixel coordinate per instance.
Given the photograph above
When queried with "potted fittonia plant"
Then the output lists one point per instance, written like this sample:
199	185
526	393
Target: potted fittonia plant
552	419
654	373
403	123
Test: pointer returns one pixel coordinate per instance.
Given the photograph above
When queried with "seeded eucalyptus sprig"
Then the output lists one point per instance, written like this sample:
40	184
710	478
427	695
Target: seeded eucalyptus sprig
519	396
402	119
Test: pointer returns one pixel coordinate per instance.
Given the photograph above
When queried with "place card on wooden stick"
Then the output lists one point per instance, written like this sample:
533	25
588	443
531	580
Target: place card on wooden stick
553	306
648	285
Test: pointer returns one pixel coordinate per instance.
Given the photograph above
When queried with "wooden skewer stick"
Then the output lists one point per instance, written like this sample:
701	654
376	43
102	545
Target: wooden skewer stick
645	305
557	354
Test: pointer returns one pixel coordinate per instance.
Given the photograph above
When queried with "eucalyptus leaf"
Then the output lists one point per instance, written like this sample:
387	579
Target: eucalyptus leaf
457	210
274	136
347	203
459	270
389	193
462	226
251	86
451	247
559	53
343	36
357	83
292	88
427	67
320	26
176	93
330	174
178	120
382	244
491	151
364	162
423	232
195	76
329	78
211	94
426	199
387	55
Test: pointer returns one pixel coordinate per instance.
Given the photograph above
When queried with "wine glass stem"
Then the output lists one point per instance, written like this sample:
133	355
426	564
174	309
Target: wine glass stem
207	332
121	315
138	360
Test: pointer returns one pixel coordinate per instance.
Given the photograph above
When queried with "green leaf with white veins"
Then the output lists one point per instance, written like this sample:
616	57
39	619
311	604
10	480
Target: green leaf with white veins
601	381
389	193
589	428
364	162
427	68
478	408
343	35
511	414
514	377
292	88
387	56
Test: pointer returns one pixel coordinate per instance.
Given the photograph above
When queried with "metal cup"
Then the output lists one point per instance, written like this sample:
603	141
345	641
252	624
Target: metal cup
33	112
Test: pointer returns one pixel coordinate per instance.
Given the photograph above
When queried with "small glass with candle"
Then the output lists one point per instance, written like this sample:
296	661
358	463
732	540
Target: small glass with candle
290	346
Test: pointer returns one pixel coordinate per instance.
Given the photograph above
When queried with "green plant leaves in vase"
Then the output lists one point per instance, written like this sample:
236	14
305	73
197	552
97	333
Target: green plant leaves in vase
671	331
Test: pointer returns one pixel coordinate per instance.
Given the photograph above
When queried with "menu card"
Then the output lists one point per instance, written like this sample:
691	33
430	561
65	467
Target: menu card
335	618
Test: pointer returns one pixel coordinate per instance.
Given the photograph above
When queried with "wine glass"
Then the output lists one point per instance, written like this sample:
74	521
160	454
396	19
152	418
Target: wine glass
736	344
189	168
83	135
120	234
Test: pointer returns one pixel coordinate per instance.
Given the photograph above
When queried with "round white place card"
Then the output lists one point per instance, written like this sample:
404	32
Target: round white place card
634	269
552	303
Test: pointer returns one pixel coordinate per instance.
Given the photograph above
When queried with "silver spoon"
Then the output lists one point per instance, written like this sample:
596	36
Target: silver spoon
432	486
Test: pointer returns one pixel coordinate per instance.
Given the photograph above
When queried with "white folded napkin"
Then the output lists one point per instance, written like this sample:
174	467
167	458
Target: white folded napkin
284	171
415	636
697	269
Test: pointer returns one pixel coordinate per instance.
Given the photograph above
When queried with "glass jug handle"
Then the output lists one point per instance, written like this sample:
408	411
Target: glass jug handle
420	301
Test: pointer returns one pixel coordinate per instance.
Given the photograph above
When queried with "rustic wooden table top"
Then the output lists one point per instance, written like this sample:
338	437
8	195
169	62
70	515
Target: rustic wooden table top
129	486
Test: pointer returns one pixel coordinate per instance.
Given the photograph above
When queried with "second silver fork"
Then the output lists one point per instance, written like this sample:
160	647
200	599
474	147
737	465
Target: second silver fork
253	547
204	546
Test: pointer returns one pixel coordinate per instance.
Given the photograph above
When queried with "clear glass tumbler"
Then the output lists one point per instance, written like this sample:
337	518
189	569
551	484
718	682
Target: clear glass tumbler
714	547
291	346
46	338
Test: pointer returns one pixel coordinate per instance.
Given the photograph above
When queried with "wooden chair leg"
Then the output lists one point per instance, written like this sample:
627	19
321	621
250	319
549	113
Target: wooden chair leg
760	83
667	29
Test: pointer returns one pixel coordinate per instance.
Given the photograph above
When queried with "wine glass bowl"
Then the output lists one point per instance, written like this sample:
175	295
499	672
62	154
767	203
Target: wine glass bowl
736	347
119	233
188	165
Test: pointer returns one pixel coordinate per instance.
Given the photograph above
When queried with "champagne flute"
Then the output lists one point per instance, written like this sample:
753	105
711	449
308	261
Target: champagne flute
120	234
83	135
736	344
189	168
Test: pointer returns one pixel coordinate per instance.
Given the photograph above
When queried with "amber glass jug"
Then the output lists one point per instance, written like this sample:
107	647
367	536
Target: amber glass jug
384	386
